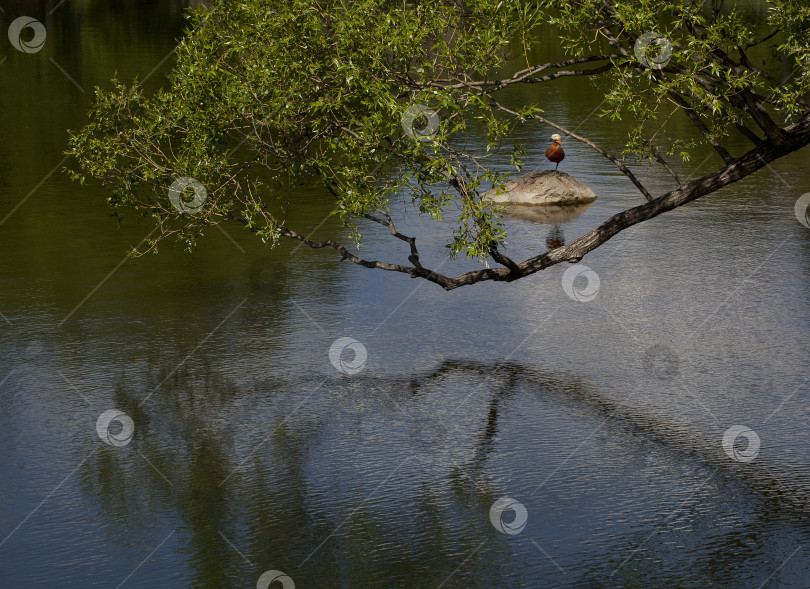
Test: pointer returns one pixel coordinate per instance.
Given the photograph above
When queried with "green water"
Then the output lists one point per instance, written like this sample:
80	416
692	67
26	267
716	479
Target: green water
250	452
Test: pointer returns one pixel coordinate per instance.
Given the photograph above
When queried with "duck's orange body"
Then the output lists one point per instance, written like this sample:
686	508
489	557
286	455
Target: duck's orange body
555	154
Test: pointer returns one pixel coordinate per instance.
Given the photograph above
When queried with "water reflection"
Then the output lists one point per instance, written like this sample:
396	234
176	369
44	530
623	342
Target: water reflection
248	458
359	475
547	214
555	237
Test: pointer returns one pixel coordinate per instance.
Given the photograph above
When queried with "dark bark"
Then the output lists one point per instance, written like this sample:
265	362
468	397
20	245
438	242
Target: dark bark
777	143
793	138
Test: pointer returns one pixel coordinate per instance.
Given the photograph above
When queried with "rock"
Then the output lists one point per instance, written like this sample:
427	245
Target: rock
544	187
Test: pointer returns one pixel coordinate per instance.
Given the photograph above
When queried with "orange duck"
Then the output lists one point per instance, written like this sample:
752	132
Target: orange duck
555	153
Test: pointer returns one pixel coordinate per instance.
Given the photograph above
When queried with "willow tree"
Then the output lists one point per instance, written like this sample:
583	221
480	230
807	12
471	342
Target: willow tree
374	99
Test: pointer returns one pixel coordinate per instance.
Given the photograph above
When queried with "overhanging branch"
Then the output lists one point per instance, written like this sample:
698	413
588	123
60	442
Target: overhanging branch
798	136
618	163
528	75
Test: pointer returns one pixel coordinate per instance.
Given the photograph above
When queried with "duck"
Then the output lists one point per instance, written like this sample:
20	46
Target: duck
555	153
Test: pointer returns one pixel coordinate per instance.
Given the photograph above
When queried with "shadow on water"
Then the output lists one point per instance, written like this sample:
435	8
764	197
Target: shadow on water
368	482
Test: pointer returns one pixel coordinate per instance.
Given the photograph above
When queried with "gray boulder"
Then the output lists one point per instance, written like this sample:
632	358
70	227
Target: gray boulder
544	187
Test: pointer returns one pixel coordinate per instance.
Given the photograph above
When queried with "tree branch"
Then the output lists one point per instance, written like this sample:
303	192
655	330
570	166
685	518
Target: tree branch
798	135
504	260
619	164
664	163
695	118
526	75
389	223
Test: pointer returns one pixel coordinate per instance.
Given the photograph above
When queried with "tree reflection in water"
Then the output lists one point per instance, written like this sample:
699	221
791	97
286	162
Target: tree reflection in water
377	482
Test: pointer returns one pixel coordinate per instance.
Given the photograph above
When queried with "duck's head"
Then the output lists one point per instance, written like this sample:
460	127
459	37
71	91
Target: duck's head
556	138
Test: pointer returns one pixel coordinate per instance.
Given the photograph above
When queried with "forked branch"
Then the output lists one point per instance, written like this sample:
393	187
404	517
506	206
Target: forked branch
797	136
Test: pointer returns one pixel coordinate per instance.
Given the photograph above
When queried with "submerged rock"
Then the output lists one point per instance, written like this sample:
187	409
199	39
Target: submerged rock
543	187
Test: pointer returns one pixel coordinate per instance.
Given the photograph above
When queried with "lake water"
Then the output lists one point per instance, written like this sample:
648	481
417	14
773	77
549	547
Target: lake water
603	419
